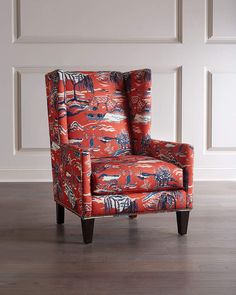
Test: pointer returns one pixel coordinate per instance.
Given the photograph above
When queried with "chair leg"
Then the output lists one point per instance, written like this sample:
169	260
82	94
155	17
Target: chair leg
132	216
87	229
182	221
60	211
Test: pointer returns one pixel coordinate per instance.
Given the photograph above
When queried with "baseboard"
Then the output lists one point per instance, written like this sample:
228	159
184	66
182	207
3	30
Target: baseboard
25	175
215	174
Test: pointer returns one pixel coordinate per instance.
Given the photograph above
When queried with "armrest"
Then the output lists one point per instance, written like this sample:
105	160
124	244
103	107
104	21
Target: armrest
180	154
79	162
75	174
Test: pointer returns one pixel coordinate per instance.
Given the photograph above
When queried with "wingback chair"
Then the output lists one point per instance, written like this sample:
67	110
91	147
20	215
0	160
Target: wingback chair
104	161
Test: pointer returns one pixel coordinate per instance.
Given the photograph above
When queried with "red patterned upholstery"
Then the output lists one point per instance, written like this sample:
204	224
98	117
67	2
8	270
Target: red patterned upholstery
180	154
138	203
97	112
134	174
138	90
104	161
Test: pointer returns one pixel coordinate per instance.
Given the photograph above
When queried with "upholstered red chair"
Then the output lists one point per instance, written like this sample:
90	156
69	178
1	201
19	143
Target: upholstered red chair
104	162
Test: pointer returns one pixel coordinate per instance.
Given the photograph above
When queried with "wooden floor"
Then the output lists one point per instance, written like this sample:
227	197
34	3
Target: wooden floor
143	256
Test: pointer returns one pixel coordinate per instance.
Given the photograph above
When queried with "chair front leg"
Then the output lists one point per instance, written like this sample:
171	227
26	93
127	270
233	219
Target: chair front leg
87	229
60	212
182	221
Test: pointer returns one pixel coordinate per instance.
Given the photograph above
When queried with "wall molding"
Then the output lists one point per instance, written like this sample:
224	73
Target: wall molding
208	122
17	36
177	71
215	174
209	24
25	175
179	112
17	113
177	100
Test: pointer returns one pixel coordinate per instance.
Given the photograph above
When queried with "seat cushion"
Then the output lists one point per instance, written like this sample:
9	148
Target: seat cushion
134	173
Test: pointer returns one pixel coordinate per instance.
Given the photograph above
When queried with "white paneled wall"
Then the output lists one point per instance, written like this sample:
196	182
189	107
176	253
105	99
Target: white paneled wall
190	45
97	21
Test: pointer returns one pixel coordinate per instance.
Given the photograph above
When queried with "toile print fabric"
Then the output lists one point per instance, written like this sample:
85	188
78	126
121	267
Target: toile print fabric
71	167
95	111
138	90
104	161
134	173
181	155
138	203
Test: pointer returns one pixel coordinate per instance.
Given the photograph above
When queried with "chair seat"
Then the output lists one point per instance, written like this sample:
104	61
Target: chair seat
134	173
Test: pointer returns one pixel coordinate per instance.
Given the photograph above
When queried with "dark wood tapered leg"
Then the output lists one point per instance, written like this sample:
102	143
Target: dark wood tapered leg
132	216
182	221
60	213
87	229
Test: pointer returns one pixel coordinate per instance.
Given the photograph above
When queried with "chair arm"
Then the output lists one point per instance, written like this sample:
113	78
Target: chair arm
180	154
75	172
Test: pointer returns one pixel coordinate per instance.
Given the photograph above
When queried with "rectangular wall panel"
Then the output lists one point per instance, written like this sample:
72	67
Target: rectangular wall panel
221	20
166	106
222	105
32	120
98	21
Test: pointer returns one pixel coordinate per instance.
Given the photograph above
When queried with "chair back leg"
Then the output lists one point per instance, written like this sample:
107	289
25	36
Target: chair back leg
60	212
132	216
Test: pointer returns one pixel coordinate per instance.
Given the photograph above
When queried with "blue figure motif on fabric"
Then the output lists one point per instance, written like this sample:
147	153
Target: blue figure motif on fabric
167	201
121	204
162	176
